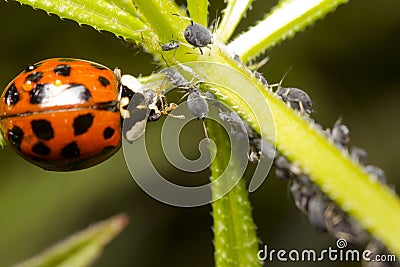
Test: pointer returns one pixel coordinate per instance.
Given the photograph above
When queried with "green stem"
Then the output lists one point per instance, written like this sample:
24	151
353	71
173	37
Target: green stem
235	238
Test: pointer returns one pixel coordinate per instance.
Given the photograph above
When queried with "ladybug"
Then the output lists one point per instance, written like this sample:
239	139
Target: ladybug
65	114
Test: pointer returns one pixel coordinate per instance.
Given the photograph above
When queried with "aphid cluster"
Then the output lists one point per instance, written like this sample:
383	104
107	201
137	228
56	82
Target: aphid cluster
196	100
322	212
239	129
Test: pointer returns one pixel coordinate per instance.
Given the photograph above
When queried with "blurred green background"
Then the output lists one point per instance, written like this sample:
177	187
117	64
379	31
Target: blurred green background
348	63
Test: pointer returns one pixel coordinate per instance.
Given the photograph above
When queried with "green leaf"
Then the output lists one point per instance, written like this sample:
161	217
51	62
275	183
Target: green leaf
118	17
165	26
235	10
283	22
82	248
198	10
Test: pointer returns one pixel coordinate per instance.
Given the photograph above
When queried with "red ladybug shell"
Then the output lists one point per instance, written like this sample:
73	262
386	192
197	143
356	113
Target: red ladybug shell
61	114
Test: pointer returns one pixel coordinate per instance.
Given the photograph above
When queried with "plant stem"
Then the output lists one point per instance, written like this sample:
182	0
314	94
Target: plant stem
235	238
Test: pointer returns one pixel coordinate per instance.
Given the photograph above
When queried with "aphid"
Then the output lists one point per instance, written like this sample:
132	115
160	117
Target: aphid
197	35
237	126
197	104
261	78
302	190
377	172
297	99
176	78
359	155
341	225
241	130
237	58
170	46
196	101
340	133
316	208
282	166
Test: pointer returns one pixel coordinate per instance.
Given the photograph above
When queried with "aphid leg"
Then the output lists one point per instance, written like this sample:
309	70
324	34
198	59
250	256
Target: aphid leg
205	129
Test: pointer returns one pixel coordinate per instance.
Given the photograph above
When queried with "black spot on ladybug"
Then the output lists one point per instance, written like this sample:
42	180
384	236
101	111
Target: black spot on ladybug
70	151
37	94
66	60
42	129
15	136
108	132
82	123
11	97
99	67
41	149
104	81
32	67
63	69
34	77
